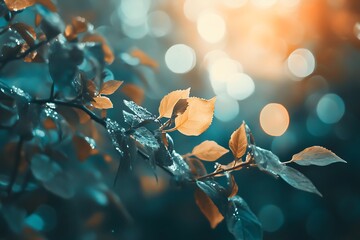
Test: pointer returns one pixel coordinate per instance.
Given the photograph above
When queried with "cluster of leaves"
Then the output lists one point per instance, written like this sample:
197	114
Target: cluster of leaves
78	99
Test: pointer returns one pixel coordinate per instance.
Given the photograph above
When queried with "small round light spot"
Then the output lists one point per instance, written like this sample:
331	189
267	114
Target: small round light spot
180	58
211	27
226	109
330	109
271	218
274	119
159	23
301	63
240	86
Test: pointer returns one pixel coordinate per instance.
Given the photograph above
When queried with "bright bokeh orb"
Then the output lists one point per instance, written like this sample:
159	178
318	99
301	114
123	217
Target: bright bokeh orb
240	86
330	108
211	27
159	23
180	58
274	119
134	12
301	63
226	108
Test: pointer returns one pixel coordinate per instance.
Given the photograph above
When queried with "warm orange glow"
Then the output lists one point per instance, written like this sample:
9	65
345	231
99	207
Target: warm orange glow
274	119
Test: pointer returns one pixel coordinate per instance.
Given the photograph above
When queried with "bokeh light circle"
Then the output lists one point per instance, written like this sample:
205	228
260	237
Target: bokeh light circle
274	119
226	108
271	218
180	58
159	23
211	27
301	63
330	108
240	86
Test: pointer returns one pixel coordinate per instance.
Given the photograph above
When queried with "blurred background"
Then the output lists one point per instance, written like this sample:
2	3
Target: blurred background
289	68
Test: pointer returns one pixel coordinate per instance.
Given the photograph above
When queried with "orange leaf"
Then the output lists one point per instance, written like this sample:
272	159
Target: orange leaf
16	5
108	54
144	58
208	208
83	148
238	141
101	102
38	19
48	4
134	92
197	117
168	102
110	87
234	187
209	151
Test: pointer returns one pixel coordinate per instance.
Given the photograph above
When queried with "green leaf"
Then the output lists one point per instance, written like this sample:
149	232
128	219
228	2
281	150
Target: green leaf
316	155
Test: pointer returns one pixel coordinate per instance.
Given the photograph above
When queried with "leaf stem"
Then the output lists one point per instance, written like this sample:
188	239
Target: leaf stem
239	166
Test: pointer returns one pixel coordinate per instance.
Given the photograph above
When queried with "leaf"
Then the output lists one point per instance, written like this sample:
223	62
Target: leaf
84	147
144	58
197	167
209	151
169	101
101	102
233	187
16	5
208	208
215	191
298	180
238	142
267	161
241	221
316	155
146	138
110	87
197	117
108	54
131	119
139	111
43	168
26	32
48	4
179	108
52	24
78	25
116	134
134	92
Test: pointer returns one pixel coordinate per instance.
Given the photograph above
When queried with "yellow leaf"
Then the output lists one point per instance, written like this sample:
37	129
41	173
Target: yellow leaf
108	54
238	141
101	102
208	208
110	87
168	102
134	92
16	5
144	58
197	117
209	151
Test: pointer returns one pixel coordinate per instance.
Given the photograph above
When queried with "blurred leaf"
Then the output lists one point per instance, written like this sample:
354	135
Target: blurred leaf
43	168
144	58
152	186
209	151
169	101
197	167
215	191
134	92
25	31
110	87
208	208
62	185
84	147
38	19
108	54
197	117
238	142
101	102
241	221
14	217
17	5
48	4
233	187
51	24
116	134
316	155
139	111
267	161
78	25
298	180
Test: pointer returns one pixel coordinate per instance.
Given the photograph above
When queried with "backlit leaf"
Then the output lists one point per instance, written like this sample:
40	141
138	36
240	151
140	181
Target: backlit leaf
168	102
108	54
316	155
134	92
110	87
179	108
208	208
298	180
16	5
144	58
197	117
238	142
267	161
101	102
139	110
209	151
241	221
